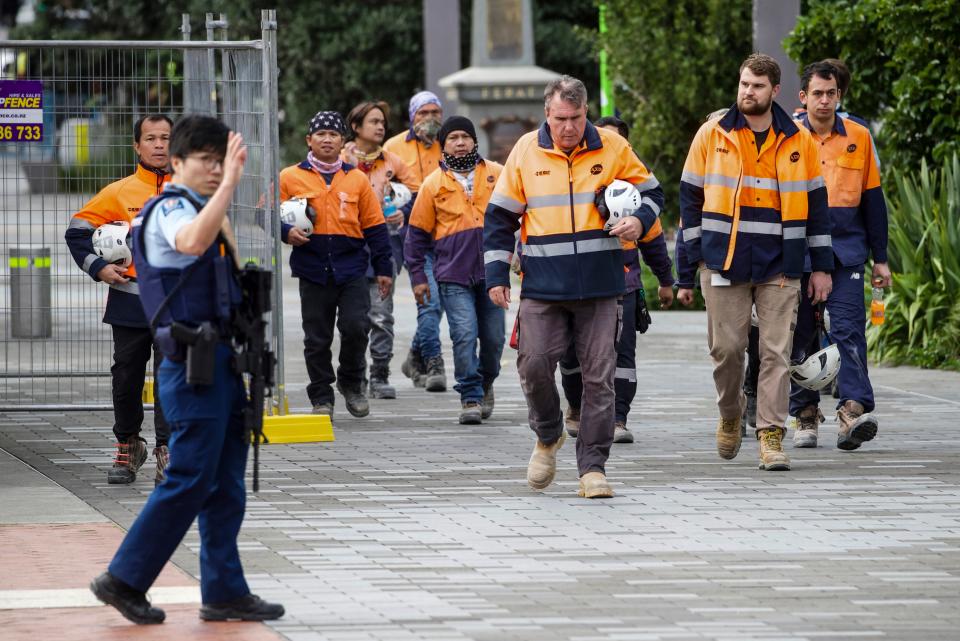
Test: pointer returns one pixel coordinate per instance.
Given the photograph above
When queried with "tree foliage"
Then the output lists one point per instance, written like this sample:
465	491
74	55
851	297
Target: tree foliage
673	62
905	67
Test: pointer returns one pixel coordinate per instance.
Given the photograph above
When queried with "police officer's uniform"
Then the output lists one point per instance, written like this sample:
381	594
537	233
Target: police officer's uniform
208	452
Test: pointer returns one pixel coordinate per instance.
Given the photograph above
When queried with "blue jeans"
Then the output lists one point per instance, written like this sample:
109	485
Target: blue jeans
472	316
427	339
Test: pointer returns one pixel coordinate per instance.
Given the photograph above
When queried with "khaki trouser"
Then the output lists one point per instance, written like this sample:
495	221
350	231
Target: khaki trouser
546	330
728	326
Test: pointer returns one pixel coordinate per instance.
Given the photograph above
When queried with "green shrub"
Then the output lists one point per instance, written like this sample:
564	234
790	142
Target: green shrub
923	307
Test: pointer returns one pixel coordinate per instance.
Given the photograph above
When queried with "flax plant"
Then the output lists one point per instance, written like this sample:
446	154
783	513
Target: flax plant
923	307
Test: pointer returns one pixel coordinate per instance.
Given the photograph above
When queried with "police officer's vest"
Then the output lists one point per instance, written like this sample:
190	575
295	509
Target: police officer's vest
205	291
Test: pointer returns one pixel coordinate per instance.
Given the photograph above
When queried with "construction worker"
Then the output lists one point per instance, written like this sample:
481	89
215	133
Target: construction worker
753	204
419	150
330	259
119	202
448	220
367	124
572	271
858	213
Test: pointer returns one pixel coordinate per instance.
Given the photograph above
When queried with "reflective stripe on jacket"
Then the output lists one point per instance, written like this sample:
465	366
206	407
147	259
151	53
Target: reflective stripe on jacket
120	200
550	197
451	222
753	215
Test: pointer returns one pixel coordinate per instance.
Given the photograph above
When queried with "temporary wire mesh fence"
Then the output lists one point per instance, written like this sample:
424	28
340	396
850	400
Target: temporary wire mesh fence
54	349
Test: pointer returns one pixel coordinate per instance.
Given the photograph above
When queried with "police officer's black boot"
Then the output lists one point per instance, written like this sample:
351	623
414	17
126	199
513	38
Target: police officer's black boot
246	608
129	602
129	458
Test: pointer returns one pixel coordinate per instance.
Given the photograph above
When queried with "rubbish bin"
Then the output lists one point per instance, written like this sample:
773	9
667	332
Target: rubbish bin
30	304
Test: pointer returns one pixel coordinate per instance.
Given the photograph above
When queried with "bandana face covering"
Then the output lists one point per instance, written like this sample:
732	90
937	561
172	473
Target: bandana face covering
462	164
324	167
426	130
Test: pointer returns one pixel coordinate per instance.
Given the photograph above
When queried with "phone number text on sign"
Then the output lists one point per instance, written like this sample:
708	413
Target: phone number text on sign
21	110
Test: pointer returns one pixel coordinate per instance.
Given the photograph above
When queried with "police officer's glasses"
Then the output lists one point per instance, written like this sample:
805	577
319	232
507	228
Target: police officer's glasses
208	161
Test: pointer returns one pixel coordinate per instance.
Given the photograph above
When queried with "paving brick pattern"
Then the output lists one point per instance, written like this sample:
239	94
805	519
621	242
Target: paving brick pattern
410	526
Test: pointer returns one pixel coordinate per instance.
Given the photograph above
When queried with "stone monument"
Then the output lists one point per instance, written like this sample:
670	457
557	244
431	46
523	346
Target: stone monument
502	89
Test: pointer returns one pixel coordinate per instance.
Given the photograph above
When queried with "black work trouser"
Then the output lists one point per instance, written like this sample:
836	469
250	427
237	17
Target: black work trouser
132	347
347	307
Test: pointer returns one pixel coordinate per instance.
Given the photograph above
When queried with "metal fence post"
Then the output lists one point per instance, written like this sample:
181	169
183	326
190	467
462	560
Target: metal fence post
271	190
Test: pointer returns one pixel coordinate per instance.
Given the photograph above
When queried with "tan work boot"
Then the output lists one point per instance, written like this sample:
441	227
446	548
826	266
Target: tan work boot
772	457
572	421
808	420
593	485
543	463
728	437
621	434
855	426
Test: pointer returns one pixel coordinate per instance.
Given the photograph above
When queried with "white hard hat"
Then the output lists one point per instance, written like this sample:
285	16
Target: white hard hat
621	200
401	194
298	213
110	243
818	370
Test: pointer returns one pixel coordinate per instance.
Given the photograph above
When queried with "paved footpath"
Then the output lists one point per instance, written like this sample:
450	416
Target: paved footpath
410	526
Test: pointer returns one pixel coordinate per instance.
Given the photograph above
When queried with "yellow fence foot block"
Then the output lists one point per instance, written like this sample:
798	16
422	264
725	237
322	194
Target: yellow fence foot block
297	428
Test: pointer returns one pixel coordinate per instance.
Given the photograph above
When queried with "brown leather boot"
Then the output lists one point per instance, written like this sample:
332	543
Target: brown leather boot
543	463
855	426
808	420
593	485
728	437
772	457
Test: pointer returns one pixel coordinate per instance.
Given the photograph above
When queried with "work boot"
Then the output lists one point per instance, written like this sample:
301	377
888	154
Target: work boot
728	437
246	608
855	426
486	405
355	401
593	485
129	602
772	457
750	415
380	386
323	408
543	463
162	454
436	376
470	413
808	420
129	458
413	368
572	421
621	434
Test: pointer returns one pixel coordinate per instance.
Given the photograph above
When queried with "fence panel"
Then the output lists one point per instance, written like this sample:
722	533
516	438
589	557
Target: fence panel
93	92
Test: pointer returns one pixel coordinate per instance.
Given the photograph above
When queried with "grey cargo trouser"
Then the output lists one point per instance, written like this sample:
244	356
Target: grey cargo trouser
546	330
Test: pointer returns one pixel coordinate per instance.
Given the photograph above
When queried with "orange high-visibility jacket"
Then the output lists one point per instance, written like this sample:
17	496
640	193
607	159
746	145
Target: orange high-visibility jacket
550	197
120	200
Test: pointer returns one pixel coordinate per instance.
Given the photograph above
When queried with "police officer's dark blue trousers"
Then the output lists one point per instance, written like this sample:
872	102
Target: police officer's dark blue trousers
848	315
205	480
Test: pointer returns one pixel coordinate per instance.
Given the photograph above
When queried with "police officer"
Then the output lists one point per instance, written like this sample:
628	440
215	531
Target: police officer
184	254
